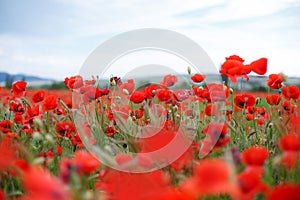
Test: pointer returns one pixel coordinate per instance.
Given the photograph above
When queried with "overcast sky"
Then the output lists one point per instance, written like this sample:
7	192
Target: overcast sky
53	38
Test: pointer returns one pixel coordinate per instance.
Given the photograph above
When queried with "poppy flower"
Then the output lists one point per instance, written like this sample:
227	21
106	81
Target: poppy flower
129	86
289	159
38	96
138	185
198	78
290	142
233	68
250	184
291	92
2	195
137	97
8	155
51	188
285	191
115	81
65	129
288	106
273	99
255	156
110	131
50	103
168	81
19	88
259	66
6	126
244	100
85	162
181	95
211	177
211	110
150	90
163	94
74	82
91	94
17	108
275	81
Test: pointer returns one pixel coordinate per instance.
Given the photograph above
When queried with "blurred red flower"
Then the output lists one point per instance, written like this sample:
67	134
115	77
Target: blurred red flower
291	92
284	192
74	82
19	88
50	103
244	100
273	99
169	80
255	156
6	126
85	162
38	96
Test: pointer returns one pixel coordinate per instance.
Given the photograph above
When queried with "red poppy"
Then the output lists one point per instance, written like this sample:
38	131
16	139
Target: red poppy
288	106
38	96
91	94
7	155
51	188
85	162
250	184
291	92
58	150
163	94
19	88
181	95
275	81
234	68
150	91
138	185
6	126
110	131
65	129
2	195
273	99
129	86
255	156
290	142
244	100
123	158
198	78
74	82
216	134
18	119
211	177
50	103
137	97
169	80
284	192
17	108
259	66
211	110
289	159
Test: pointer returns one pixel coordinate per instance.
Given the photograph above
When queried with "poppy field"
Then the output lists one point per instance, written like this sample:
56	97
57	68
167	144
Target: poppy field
232	145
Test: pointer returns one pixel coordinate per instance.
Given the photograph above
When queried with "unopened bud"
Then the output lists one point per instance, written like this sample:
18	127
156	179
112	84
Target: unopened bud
189	70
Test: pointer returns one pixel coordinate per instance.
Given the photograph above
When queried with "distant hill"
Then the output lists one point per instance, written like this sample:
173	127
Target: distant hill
8	79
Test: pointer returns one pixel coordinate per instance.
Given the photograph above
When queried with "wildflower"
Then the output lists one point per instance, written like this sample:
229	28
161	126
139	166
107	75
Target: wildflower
19	88
255	156
50	103
85	162
110	131
244	100
291	92
275	81
137	97
273	99
74	82
6	126
169	80
285	191
38	96
198	78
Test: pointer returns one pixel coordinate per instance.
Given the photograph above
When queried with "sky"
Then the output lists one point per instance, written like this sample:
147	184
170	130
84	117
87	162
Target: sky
52	39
